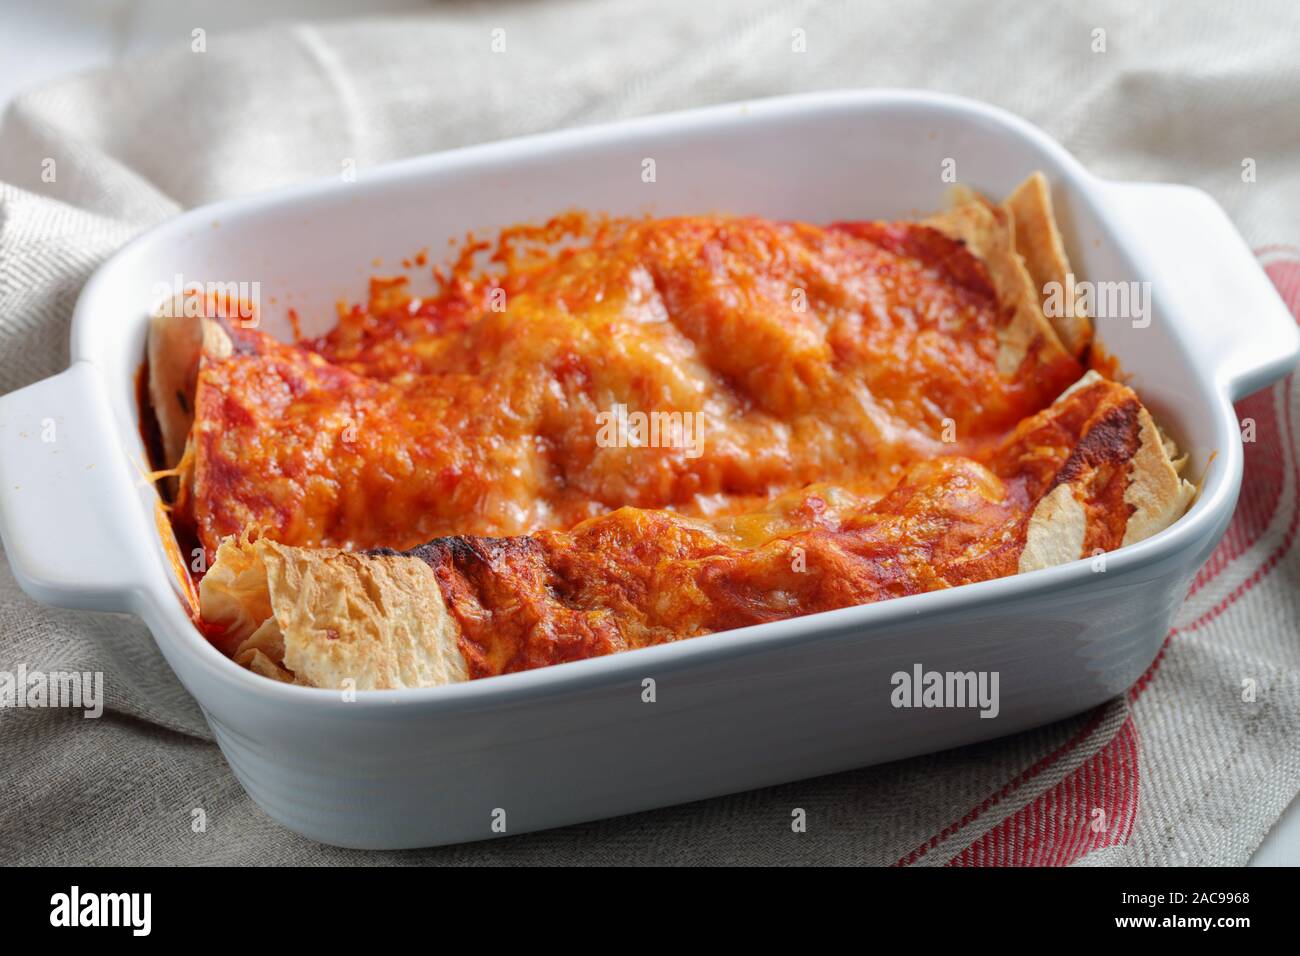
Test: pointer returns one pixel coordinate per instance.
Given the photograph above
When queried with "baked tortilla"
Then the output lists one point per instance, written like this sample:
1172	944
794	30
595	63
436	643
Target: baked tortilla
1086	475
1041	250
1039	243
176	346
873	504
1155	494
323	617
990	232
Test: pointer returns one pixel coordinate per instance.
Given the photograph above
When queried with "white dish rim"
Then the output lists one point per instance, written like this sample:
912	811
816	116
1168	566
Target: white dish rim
163	612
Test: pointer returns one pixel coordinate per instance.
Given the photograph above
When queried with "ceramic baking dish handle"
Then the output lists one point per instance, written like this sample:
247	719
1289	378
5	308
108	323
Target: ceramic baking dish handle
1243	335
69	495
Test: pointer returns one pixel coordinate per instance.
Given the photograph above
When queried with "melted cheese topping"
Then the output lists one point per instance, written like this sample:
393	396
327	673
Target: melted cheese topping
635	578
841	355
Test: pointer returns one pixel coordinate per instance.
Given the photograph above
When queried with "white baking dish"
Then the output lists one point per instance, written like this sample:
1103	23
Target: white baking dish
733	711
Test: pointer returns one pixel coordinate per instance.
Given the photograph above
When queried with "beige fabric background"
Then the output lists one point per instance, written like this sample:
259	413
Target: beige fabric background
1183	93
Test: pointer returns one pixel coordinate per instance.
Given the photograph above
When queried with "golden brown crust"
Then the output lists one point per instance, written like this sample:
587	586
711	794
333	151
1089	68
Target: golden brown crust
1084	476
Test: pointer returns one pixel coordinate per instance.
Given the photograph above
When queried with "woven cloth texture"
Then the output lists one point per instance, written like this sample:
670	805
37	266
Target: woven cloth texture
1186	770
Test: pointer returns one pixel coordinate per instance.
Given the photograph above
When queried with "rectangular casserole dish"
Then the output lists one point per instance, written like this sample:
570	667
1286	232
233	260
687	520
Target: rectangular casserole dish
732	711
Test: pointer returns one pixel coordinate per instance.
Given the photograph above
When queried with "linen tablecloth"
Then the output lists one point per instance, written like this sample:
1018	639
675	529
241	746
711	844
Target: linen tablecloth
1185	770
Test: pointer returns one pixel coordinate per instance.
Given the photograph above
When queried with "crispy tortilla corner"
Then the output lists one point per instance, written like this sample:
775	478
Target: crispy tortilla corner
1021	245
1156	493
990	234
177	343
329	618
336	619
1039	243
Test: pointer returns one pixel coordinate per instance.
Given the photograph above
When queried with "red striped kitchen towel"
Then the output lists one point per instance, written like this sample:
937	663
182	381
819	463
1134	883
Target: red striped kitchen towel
1183	769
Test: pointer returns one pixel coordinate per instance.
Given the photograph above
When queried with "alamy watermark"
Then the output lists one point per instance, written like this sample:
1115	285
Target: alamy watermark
620	428
1098	300
226	300
946	689
130	910
78	690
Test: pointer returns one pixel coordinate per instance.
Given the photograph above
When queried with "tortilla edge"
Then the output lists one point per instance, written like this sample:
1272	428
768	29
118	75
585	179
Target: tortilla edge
1157	493
1041	246
328	618
989	232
